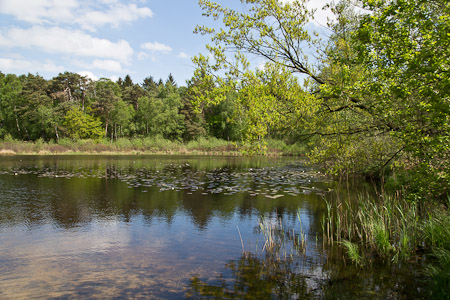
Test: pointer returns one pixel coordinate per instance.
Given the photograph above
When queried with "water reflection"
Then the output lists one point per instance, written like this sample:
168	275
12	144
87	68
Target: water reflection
256	277
158	227
40	191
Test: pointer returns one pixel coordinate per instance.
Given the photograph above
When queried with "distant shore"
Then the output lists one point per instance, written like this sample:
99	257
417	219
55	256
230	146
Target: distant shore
145	146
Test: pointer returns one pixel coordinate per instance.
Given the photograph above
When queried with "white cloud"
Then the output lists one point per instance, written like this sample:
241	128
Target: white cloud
142	55
72	42
261	66
38	12
183	55
156	47
13	65
114	78
88	74
88	14
114	16
322	15
107	65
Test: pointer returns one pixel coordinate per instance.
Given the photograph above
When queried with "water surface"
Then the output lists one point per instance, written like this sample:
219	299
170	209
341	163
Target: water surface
159	227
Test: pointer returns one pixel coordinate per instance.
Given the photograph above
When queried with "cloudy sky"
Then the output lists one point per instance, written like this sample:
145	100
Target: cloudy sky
104	38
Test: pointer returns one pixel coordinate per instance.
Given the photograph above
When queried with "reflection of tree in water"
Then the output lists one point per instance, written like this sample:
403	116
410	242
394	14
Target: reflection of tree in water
288	270
254	278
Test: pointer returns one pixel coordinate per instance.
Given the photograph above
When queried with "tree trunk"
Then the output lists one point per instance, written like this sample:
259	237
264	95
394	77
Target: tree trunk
17	119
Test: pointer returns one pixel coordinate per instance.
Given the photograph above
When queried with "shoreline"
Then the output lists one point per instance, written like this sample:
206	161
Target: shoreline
27	148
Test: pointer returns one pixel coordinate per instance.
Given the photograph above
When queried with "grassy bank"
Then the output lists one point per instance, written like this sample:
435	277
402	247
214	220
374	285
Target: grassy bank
155	145
391	229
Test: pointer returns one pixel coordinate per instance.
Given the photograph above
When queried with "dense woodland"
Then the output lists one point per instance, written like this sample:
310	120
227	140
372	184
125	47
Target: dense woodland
75	107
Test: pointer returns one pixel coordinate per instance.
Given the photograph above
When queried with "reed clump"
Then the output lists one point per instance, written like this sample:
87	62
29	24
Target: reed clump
392	229
387	227
279	242
436	233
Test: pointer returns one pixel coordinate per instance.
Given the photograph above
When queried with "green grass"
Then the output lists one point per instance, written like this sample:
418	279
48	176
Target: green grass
390	229
387	227
353	252
137	145
281	243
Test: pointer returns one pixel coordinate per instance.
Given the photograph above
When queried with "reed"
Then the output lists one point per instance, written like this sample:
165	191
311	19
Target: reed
280	242
386	227
141	145
436	233
353	252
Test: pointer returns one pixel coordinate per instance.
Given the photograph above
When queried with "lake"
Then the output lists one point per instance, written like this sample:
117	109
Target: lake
174	227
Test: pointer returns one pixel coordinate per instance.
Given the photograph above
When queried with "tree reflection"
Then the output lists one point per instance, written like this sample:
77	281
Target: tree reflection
254	278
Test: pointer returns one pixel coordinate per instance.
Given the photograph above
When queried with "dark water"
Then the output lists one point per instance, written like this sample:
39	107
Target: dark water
156	227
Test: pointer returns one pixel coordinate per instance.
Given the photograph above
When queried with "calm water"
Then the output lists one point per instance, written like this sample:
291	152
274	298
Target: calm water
156	227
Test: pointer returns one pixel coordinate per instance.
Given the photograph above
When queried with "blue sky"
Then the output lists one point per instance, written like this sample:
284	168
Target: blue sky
105	38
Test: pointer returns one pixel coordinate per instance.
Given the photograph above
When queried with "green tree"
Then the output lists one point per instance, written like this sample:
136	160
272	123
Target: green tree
34	108
150	86
122	119
405	46
171	81
79	125
379	96
131	94
10	93
105	95
161	115
194	122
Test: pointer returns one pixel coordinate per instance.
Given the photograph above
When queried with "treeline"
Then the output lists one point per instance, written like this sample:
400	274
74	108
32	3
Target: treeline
76	107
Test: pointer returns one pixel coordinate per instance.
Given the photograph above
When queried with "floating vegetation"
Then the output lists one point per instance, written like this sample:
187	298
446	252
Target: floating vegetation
271	182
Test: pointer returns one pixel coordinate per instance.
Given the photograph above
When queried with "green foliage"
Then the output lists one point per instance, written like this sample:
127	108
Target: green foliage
122	117
10	91
82	126
210	143
378	99
353	252
105	95
160	115
436	232
405	46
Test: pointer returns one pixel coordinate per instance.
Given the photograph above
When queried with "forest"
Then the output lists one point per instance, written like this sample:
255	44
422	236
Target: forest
76	107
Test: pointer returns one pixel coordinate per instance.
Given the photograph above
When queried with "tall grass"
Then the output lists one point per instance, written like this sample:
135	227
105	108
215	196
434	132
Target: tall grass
392	229
436	233
149	145
386	227
281	242
155	144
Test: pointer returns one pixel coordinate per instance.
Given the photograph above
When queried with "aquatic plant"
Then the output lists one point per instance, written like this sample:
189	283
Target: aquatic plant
353	252
386	226
281	243
436	233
